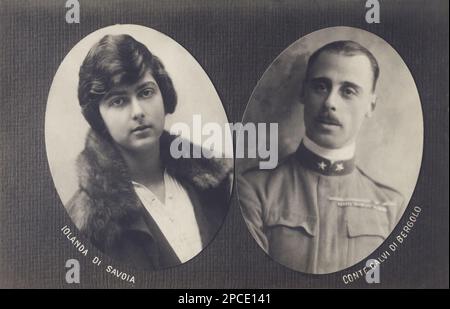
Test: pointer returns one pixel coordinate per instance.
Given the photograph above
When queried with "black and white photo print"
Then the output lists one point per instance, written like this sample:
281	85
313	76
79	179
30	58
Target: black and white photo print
350	147
134	180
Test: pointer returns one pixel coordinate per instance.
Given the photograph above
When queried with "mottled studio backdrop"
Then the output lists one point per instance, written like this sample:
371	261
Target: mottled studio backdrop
234	42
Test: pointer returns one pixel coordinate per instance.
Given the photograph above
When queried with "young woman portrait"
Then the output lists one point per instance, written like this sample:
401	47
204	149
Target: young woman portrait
134	201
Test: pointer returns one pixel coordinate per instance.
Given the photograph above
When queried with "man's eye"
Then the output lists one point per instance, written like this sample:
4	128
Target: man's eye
320	87
349	91
147	93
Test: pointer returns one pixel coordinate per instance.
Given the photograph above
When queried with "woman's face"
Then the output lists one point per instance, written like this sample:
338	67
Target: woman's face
134	114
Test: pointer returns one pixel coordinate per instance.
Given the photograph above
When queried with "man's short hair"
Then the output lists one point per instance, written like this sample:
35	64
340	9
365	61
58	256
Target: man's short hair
347	48
118	60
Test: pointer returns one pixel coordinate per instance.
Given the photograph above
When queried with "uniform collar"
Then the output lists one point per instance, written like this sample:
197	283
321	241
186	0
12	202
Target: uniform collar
341	154
329	162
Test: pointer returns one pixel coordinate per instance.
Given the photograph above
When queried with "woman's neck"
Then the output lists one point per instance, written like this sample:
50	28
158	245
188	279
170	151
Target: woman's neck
145	166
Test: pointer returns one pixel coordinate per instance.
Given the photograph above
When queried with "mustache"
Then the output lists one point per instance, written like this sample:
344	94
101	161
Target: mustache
328	118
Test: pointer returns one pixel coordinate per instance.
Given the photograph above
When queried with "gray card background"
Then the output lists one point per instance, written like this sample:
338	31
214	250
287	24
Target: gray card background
234	42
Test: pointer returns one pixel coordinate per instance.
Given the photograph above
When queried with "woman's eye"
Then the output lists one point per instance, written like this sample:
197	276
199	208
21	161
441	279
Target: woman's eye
147	93
117	102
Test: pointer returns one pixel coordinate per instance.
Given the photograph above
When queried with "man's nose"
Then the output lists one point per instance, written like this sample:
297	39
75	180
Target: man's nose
136	109
331	101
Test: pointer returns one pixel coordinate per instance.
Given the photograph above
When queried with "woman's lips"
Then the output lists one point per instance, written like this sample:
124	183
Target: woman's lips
140	129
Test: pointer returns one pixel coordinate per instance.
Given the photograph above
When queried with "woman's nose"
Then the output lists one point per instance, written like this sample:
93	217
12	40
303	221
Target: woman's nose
136	110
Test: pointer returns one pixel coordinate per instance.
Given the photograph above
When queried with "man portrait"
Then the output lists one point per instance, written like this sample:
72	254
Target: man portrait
319	211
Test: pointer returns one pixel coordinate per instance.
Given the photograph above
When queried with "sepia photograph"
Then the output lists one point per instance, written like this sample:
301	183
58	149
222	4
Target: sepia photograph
224	152
112	109
350	147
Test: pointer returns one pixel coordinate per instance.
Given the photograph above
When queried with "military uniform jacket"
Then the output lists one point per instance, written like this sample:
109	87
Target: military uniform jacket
317	216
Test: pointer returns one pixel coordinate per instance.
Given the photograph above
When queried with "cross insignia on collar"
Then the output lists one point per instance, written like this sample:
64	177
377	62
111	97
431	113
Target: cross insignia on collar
339	167
322	165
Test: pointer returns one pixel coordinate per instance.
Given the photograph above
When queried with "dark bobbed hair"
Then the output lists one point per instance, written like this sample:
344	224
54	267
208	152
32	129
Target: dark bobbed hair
347	48
117	60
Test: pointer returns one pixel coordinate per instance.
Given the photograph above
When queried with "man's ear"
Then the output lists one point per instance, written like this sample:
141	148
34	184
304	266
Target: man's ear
373	104
302	92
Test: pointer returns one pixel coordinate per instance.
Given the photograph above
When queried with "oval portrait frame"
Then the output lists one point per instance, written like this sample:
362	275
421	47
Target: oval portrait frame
66	130
390	143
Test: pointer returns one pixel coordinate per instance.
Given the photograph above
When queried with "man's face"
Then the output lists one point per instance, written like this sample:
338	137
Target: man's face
134	114
337	96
